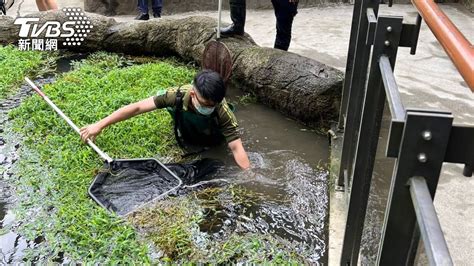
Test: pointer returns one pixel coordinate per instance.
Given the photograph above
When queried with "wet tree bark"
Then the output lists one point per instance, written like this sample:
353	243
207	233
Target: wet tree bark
299	87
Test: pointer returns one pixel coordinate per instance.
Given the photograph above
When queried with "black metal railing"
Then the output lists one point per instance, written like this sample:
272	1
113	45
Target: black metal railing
420	140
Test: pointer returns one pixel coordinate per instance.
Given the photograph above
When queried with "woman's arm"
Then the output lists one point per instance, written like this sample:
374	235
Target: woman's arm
124	113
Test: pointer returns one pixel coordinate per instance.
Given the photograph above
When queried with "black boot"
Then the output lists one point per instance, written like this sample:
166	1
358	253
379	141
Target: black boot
156	12
237	14
143	16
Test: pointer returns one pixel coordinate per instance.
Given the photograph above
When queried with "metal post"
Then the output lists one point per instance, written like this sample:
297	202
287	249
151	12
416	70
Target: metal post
357	79
350	63
387	37
422	152
219	12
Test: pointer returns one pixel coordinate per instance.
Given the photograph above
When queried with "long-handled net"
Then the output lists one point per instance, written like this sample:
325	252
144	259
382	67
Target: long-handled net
125	184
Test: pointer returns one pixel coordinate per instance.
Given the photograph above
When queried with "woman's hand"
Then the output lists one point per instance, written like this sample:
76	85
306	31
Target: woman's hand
90	132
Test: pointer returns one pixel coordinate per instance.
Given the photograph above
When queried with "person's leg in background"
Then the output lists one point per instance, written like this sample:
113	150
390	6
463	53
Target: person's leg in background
41	5
237	14
110	7
157	5
51	4
45	5
143	10
285	11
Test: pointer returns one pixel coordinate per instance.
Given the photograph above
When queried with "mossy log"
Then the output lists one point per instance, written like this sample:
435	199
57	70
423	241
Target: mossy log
300	87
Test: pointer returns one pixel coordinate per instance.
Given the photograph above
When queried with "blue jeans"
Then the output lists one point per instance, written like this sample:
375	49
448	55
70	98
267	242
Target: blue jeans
156	5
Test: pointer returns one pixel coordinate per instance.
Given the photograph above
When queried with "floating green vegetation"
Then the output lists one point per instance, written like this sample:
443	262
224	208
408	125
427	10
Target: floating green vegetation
247	99
16	64
56	168
178	228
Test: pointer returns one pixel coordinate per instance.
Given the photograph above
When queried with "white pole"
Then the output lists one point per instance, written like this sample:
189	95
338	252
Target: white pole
219	11
62	115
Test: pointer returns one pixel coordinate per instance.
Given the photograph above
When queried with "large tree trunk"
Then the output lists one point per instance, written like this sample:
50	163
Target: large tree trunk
300	87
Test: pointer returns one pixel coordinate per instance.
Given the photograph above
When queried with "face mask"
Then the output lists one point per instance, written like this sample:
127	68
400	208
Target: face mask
201	109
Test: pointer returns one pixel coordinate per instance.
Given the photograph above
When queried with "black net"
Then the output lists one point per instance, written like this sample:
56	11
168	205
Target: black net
127	184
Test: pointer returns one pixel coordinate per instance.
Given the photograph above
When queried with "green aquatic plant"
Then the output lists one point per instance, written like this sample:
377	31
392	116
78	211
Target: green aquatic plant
247	99
56	169
254	249
169	225
16	64
178	228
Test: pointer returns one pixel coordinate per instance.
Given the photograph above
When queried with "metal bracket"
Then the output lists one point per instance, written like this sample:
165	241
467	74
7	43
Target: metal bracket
460	143
424	142
416	34
408	37
467	171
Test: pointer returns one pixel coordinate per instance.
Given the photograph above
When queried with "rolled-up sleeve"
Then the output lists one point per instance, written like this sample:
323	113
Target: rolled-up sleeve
228	123
165	98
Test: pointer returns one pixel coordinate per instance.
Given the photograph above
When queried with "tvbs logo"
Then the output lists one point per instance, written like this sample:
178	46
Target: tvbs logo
52	28
73	32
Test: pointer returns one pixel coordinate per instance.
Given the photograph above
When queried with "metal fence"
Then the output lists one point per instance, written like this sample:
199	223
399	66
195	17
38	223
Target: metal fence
420	140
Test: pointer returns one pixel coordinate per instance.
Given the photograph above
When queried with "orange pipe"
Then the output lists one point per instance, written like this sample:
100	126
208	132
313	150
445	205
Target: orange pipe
458	48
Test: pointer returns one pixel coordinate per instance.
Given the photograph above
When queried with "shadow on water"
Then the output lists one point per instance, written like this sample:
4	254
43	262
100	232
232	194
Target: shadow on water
289	182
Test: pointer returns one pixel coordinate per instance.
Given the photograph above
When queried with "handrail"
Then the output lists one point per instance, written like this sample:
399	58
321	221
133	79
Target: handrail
391	89
434	242
458	48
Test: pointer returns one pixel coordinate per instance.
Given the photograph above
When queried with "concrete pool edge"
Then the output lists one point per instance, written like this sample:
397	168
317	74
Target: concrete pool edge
337	206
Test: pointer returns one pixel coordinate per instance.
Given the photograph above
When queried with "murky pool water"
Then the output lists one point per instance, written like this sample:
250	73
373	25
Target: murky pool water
289	180
11	244
288	176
